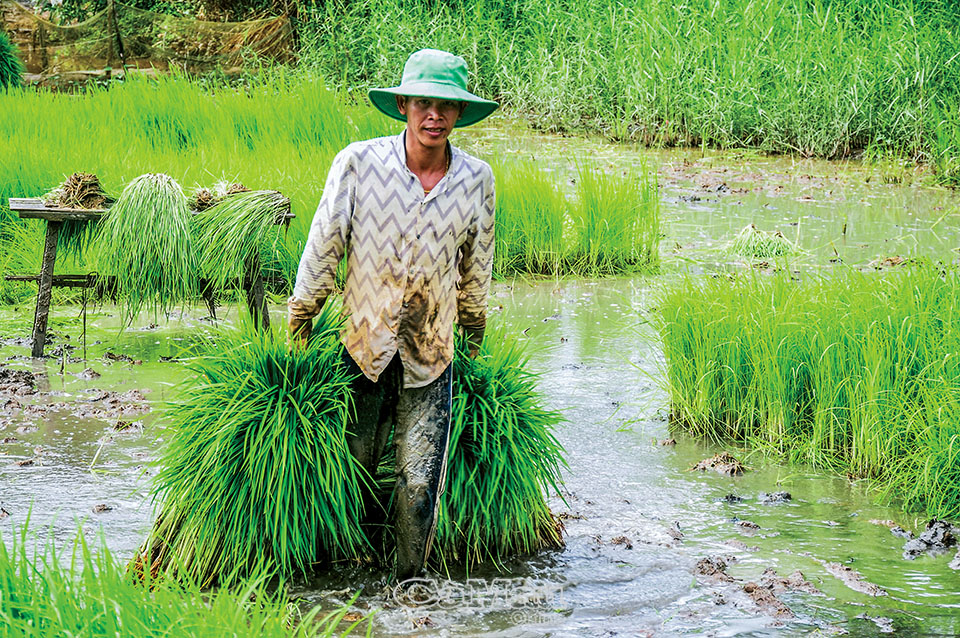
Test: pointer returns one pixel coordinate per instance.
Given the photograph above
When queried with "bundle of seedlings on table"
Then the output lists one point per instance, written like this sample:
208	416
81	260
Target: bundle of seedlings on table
503	458
145	241
80	191
257	472
204	198
234	231
757	244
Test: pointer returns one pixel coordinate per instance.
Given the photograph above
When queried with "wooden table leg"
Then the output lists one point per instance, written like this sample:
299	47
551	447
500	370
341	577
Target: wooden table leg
46	287
256	297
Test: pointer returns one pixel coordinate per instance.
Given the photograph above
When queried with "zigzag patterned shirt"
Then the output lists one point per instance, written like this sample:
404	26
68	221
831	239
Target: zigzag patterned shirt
415	261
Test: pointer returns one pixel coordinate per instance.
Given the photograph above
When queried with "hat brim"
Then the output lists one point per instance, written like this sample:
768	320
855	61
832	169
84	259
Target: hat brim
477	108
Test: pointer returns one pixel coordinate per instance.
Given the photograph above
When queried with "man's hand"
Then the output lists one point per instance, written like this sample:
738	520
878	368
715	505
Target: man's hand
300	330
474	339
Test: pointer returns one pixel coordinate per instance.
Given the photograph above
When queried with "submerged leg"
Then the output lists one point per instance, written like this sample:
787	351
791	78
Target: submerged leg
422	430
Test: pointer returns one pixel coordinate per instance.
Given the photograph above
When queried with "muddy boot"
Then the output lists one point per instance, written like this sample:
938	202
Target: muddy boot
422	430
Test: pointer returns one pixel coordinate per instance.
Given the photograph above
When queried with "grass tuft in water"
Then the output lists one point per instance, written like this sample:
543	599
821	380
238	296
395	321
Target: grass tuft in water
257	474
145	241
857	373
616	221
754	243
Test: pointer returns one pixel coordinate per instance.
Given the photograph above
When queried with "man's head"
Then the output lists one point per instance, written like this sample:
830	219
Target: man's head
433	91
430	119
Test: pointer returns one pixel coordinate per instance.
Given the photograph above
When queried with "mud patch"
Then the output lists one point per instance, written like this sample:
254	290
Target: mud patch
852	579
713	569
776	498
937	538
722	463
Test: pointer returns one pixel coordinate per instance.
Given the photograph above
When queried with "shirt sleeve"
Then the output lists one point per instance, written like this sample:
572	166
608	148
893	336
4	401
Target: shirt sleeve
327	240
476	262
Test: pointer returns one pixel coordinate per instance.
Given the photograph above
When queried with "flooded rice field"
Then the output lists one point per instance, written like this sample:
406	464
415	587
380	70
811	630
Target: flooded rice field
652	548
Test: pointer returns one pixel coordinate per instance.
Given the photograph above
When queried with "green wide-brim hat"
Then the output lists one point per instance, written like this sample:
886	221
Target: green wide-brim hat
436	74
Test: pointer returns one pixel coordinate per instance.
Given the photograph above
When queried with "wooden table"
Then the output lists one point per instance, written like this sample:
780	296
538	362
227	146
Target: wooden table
35	209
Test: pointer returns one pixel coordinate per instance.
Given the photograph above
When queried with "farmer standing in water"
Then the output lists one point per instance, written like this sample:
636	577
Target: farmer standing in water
414	216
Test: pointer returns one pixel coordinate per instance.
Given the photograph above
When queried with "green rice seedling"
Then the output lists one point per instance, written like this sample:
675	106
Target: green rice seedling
257	473
145	241
754	243
855	373
503	458
616	223
10	65
83	593
531	214
237	229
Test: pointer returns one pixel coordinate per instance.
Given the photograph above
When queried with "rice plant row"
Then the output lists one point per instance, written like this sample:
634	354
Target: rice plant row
279	132
857	373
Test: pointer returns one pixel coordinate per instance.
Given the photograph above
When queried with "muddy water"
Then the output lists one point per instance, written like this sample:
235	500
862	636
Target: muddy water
638	522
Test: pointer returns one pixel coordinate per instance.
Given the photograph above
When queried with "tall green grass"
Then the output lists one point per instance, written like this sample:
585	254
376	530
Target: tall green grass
10	65
823	78
858	373
44	592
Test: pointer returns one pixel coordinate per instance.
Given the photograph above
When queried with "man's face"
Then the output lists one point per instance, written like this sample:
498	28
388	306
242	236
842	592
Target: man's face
429	119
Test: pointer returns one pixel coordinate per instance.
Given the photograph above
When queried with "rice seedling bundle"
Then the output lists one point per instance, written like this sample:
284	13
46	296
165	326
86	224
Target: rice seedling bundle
257	473
503	458
757	244
44	593
857	373
10	65
234	230
80	191
145	241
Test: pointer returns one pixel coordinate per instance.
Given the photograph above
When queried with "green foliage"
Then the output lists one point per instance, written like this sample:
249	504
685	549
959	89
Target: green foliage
43	593
756	244
241	225
857	373
503	456
812	78
145	241
10	65
530	218
616	221
257	473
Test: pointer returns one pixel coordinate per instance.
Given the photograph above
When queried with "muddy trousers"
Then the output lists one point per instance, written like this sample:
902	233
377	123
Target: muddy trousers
420	421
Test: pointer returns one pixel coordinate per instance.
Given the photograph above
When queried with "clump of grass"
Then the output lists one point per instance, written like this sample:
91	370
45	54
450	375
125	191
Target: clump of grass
616	221
10	65
145	241
757	244
80	191
503	457
257	473
856	373
91	594
237	229
531	214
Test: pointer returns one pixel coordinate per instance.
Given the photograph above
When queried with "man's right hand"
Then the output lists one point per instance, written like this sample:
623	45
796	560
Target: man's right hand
300	330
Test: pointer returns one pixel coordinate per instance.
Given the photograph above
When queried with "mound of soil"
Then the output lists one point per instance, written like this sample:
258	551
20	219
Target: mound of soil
722	463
